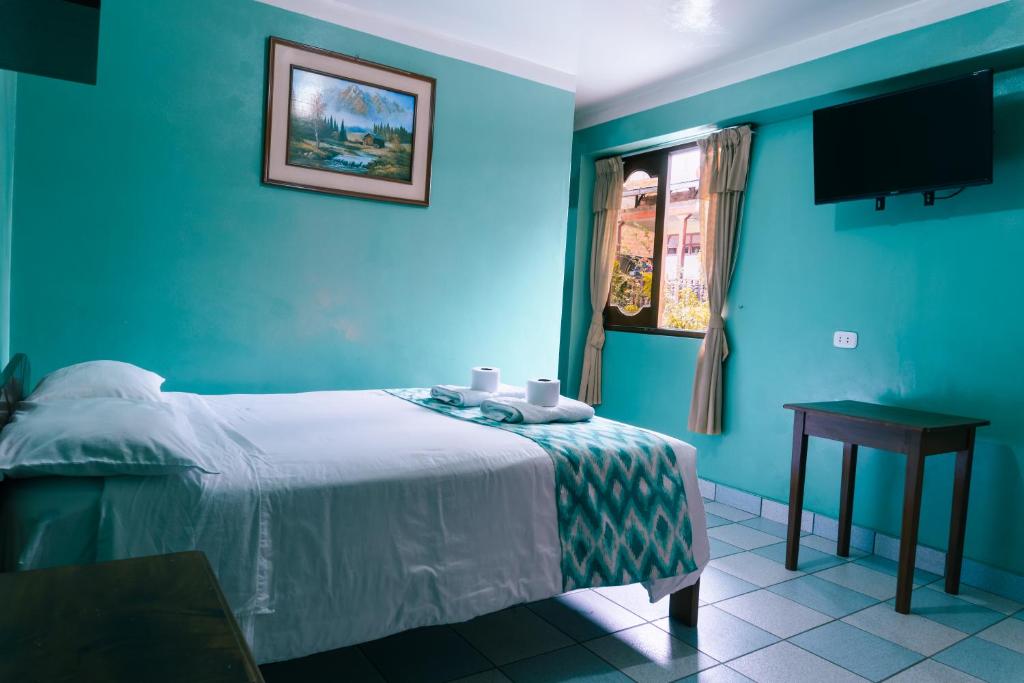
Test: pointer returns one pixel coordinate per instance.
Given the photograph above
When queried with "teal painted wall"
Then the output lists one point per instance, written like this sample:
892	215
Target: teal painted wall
142	232
933	292
8	110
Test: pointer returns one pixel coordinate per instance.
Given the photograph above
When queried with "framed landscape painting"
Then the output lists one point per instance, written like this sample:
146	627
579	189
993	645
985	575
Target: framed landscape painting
343	125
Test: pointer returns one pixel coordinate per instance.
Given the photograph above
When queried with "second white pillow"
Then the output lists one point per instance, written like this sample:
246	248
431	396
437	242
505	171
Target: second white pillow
99	379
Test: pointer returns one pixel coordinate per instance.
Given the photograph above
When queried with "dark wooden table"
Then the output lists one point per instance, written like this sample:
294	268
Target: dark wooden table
154	619
914	433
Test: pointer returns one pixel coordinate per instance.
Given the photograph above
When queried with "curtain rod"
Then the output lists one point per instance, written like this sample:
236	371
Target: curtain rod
679	141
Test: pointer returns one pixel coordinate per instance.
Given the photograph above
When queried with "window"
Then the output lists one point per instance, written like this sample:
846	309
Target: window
657	278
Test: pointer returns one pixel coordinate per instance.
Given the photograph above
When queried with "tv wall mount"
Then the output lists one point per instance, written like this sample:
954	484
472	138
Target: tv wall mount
929	198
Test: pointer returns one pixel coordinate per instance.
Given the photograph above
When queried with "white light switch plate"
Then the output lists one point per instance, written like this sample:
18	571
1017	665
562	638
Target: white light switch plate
844	340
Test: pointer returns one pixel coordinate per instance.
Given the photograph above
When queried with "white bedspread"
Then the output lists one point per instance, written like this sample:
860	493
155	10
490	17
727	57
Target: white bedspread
348	516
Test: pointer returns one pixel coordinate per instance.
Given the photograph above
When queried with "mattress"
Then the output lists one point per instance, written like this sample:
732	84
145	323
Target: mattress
48	521
345	516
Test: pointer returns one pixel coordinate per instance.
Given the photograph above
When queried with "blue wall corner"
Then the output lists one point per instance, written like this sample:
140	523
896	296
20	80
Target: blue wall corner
933	293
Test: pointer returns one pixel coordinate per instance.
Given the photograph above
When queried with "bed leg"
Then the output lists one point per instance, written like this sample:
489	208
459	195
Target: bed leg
682	604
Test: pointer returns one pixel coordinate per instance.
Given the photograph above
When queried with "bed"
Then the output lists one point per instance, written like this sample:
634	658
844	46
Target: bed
336	517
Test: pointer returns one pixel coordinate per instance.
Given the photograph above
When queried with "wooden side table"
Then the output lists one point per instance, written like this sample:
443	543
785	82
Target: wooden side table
914	433
154	619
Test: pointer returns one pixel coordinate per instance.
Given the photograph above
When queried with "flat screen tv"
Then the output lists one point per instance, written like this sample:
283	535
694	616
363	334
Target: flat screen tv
933	137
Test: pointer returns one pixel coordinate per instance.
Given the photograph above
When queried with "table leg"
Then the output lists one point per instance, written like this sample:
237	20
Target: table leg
958	519
797	475
846	499
911	518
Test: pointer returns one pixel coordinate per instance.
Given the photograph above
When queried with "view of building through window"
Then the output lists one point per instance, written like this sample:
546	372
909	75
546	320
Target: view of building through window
633	272
682	293
684	296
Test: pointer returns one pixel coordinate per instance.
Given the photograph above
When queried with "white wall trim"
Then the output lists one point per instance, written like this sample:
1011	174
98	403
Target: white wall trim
874	28
390	28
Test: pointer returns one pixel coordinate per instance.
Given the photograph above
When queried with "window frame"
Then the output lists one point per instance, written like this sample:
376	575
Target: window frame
654	163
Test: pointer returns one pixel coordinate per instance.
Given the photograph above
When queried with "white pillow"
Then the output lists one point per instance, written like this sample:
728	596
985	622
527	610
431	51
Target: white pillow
99	379
99	437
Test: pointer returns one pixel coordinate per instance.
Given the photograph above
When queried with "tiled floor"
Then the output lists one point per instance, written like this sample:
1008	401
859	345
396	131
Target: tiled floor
832	620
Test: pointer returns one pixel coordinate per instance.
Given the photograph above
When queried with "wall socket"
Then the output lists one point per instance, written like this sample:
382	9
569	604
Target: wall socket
844	340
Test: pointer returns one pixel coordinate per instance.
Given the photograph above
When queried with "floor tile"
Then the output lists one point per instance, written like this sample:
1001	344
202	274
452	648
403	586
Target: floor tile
909	630
786	662
930	671
987	661
512	634
827	546
774	613
769	527
348	662
576	664
810	560
720	548
755	569
1009	633
887	566
719	634
585	615
726	511
717	674
779	512
980	597
993	579
859	536
492	676
859	651
634	598
952	611
715	520
824	596
717	585
741	500
423	655
649	654
742	536
928	559
861	579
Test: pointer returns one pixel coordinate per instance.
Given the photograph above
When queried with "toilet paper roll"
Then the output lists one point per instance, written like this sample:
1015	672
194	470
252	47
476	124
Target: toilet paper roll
543	392
486	379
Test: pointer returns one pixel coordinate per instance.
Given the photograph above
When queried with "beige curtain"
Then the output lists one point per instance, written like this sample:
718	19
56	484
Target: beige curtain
724	160
607	198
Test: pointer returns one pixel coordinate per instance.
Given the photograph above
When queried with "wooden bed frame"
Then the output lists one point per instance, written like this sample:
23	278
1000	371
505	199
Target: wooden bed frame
682	604
14	384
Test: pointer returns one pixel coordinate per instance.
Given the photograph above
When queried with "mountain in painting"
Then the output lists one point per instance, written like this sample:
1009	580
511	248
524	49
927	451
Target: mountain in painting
372	106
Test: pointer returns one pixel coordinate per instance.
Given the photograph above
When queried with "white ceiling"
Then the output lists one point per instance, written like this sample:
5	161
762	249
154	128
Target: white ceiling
623	56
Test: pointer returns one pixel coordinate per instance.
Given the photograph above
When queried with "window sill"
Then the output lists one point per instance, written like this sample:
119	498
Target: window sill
655	330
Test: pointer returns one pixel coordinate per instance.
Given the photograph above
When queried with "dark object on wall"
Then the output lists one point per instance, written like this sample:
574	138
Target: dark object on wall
55	38
343	125
928	138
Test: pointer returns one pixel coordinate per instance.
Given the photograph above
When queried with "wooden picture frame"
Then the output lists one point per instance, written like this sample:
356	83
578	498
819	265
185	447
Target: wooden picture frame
346	126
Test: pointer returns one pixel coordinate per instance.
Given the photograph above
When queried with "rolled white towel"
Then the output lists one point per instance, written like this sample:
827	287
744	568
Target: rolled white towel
467	397
518	410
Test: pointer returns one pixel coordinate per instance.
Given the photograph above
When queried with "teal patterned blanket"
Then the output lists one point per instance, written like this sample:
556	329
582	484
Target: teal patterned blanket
622	511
